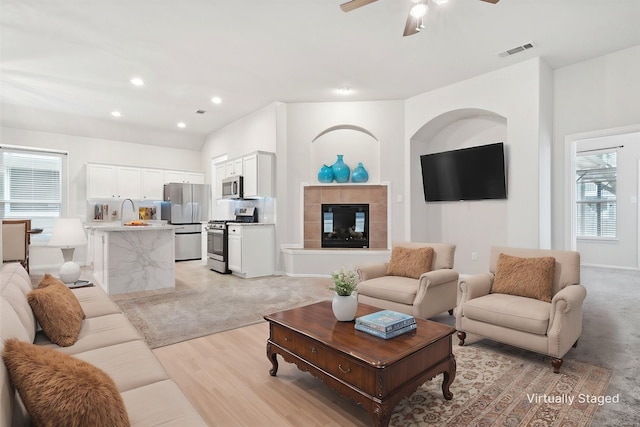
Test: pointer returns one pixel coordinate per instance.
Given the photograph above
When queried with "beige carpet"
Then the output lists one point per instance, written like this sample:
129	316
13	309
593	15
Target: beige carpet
509	387
168	318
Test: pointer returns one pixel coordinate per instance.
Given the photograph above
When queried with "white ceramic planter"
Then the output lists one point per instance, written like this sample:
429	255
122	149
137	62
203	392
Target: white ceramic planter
344	308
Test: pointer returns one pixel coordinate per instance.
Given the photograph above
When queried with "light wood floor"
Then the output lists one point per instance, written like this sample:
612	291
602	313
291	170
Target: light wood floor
226	377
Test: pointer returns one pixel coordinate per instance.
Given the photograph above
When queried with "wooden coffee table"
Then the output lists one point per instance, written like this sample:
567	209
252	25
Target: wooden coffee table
374	372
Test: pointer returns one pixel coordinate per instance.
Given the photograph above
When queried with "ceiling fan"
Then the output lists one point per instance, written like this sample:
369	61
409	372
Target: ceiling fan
415	20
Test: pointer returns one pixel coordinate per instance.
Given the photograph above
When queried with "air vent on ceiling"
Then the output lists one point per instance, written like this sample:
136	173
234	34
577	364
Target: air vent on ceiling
200	112
516	49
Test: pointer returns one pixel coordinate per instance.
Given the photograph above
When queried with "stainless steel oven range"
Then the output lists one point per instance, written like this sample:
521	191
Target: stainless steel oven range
218	238
217	247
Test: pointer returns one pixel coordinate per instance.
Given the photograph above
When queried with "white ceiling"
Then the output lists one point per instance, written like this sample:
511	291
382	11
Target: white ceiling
77	57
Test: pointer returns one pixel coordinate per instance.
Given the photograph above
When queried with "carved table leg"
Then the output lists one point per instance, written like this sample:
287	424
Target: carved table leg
449	376
381	415
272	356
462	336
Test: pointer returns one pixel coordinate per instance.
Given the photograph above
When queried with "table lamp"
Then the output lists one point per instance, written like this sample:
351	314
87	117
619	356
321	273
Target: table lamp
68	234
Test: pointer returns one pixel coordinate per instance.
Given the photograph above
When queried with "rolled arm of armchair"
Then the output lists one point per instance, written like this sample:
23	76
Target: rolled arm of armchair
433	279
568	299
475	286
371	271
565	322
438	277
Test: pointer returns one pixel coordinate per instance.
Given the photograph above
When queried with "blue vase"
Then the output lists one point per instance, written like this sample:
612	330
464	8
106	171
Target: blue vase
360	174
341	170
325	174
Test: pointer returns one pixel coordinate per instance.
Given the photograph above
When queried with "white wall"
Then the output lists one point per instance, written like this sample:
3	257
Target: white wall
305	121
257	131
470	224
520	93
82	150
601	93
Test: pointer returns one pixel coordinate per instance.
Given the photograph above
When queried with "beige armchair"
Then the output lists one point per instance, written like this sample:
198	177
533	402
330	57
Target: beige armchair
432	293
549	328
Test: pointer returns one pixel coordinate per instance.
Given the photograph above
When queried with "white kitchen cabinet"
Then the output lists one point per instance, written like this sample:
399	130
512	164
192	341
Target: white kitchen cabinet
258	174
113	182
152	184
105	181
182	176
233	167
250	249
194	177
101	181
220	175
174	176
129	182
235	249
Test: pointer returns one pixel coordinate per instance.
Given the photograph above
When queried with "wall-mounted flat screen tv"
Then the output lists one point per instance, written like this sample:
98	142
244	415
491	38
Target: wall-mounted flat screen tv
475	173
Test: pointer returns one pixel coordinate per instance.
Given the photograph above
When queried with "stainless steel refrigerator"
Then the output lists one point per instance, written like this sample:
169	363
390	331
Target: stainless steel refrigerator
187	206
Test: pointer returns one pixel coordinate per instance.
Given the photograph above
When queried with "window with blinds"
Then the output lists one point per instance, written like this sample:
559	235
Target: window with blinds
596	179
31	185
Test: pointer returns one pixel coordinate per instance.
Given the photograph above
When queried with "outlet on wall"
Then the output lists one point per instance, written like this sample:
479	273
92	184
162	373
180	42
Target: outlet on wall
474	256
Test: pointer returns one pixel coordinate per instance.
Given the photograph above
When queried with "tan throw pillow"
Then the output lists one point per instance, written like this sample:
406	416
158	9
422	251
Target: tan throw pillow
58	312
525	277
60	390
410	262
49	280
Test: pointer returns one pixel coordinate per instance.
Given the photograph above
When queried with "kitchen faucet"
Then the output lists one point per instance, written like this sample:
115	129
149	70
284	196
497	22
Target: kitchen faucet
133	208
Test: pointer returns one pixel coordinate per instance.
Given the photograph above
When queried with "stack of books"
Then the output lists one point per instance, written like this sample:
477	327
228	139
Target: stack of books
386	324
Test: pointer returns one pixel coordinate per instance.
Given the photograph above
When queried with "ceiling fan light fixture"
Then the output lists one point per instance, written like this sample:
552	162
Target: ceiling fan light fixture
419	10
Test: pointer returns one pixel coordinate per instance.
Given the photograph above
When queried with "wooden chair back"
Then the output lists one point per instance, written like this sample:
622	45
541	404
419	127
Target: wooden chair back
15	241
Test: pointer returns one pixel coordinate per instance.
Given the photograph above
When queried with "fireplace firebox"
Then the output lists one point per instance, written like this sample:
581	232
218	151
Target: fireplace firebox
345	225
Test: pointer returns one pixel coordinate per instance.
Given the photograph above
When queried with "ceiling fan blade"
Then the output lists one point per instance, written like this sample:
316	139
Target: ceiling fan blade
491	1
354	4
411	27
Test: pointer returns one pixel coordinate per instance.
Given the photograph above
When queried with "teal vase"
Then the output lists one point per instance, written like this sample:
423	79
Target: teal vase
360	174
341	170
325	174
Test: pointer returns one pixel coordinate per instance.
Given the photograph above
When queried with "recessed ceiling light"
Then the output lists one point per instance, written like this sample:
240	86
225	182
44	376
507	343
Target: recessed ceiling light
344	90
137	81
182	125
116	113
216	100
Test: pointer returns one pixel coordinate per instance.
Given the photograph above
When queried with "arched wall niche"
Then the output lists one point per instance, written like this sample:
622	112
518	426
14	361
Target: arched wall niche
473	226
357	144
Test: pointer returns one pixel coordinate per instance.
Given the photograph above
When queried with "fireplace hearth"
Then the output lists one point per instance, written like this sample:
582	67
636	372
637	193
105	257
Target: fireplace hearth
345	226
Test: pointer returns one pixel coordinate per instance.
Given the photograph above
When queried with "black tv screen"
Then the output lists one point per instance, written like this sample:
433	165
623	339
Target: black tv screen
475	173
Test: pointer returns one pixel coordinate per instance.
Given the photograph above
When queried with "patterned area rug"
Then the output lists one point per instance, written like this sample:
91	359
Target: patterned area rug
499	385
174	317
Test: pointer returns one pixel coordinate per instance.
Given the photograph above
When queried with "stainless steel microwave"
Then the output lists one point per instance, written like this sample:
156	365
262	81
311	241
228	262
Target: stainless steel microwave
232	187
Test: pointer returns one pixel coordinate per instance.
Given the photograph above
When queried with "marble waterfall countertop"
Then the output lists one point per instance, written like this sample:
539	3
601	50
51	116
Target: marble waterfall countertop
132	258
117	226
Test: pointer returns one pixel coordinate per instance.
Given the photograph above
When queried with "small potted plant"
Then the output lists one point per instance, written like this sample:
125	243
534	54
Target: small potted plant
345	301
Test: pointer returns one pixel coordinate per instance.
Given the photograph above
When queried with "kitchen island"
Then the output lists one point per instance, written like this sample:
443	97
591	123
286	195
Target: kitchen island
133	258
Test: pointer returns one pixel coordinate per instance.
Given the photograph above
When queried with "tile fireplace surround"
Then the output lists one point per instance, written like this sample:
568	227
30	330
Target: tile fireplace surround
374	195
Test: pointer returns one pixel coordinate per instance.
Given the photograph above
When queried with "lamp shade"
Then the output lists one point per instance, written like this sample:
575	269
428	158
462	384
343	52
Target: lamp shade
67	233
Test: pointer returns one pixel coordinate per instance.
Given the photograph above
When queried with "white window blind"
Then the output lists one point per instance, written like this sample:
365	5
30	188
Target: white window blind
596	183
31	186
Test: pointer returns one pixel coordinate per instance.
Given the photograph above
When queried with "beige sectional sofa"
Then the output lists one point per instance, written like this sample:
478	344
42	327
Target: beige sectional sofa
108	341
